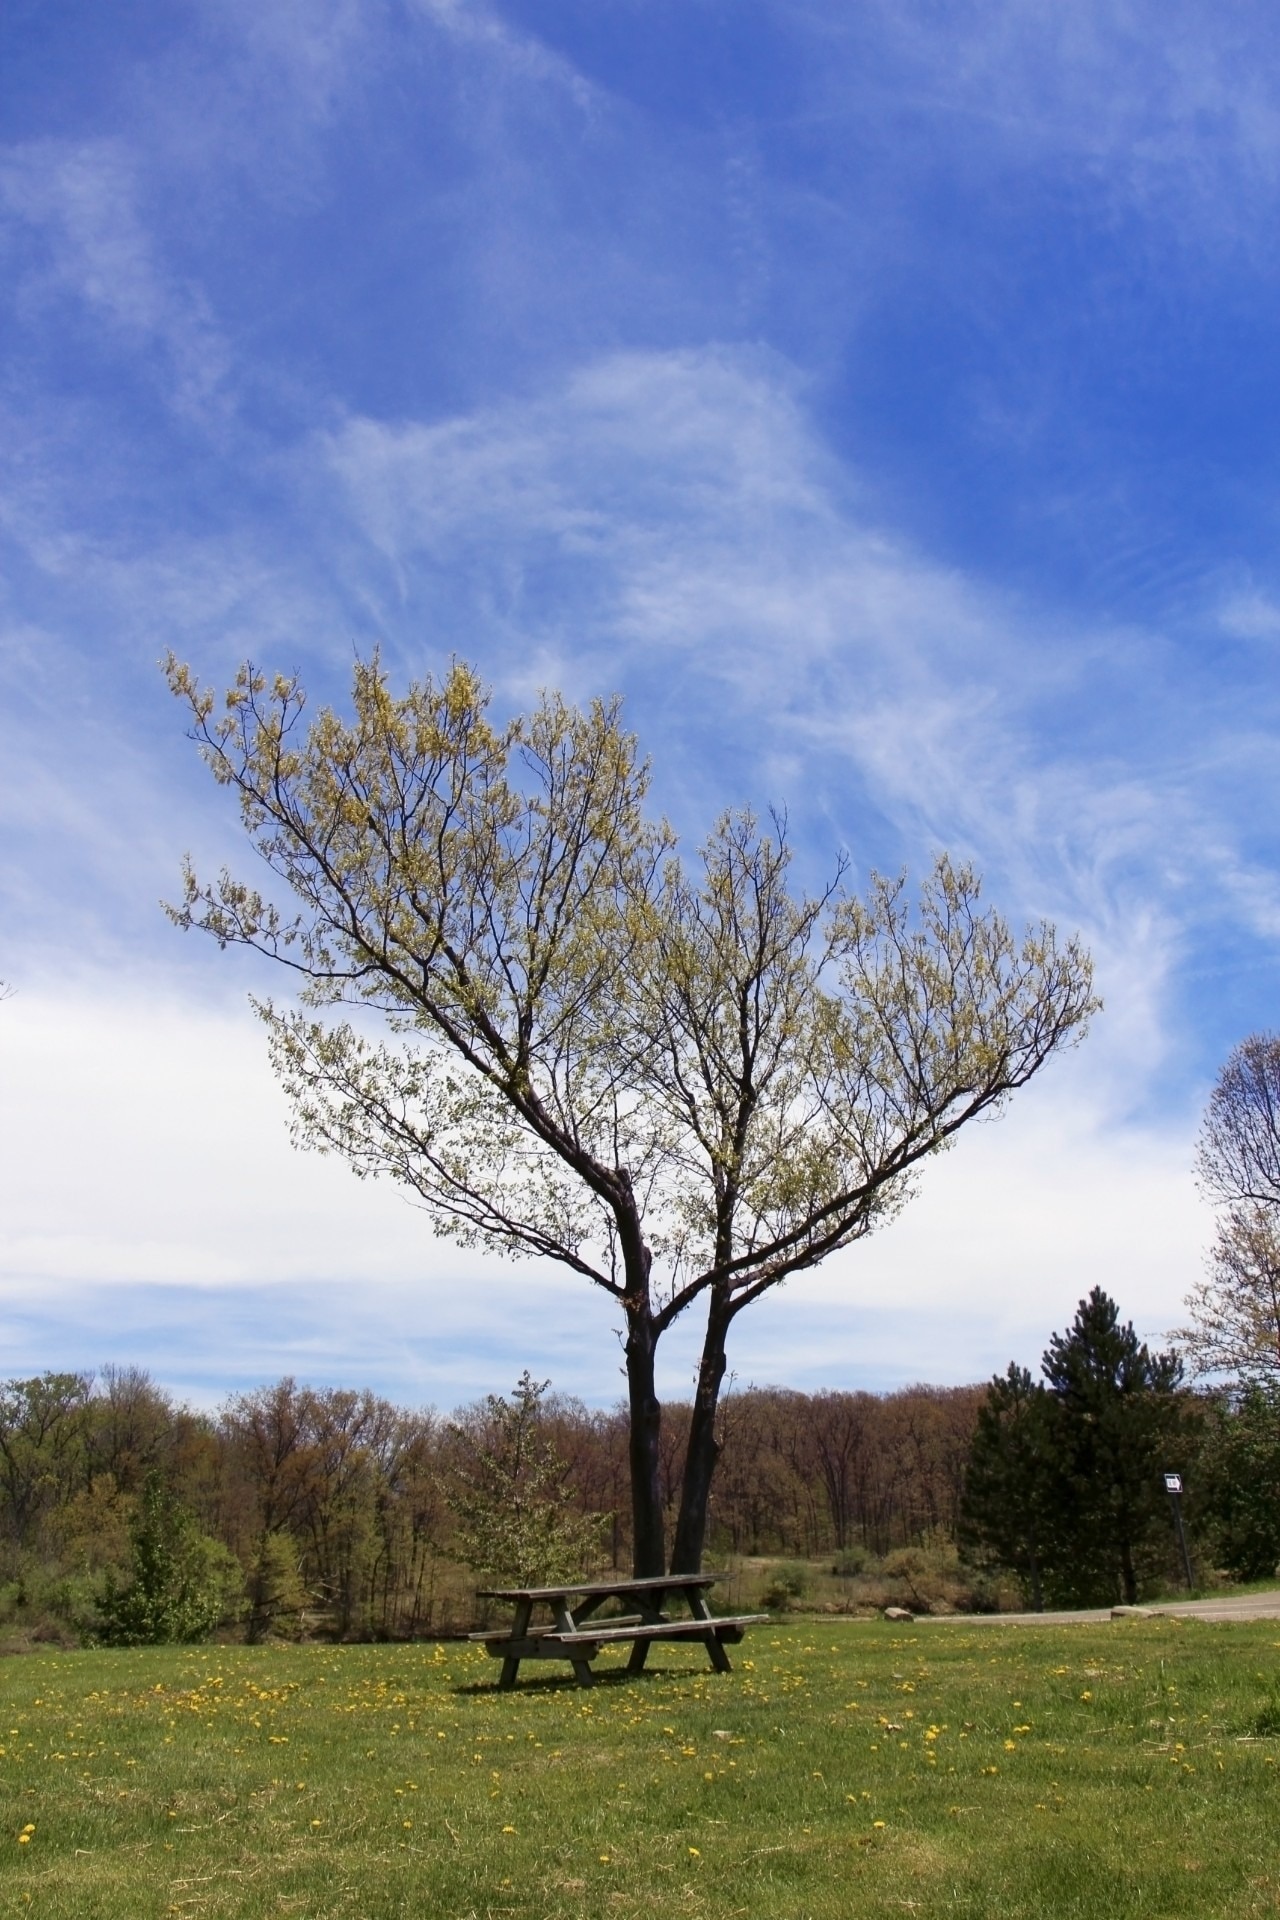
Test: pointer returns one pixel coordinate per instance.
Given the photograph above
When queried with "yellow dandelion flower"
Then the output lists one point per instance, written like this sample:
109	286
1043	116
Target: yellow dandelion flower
696	1853
877	1823
508	1829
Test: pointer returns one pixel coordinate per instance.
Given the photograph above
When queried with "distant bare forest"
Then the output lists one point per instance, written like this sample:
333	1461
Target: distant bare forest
335	1503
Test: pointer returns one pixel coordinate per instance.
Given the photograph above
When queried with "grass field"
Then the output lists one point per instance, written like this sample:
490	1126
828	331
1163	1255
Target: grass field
844	1769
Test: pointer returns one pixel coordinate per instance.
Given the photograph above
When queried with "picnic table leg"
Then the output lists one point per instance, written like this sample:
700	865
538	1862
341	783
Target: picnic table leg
519	1628
716	1653
652	1615
714	1644
567	1624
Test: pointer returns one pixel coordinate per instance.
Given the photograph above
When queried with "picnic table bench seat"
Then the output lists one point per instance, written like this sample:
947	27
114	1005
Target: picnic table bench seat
546	1627
728	1626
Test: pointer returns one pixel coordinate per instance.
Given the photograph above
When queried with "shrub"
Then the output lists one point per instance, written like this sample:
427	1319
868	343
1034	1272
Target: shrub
182	1582
789	1582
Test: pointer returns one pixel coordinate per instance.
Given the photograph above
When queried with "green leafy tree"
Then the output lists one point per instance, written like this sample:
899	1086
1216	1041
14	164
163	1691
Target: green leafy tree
1013	1496
182	1583
517	1522
686	1083
274	1589
1239	1472
43	1425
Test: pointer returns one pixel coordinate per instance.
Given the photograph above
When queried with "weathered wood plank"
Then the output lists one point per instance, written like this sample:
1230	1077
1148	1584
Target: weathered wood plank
670	1582
509	1633
728	1627
540	1649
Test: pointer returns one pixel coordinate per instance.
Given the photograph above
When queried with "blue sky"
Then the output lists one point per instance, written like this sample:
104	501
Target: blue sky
882	398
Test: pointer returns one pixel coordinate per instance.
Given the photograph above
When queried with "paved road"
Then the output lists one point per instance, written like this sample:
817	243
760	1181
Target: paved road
1232	1606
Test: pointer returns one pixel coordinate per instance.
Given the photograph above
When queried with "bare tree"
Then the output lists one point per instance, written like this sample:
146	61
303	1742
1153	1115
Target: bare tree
684	1086
1234	1326
1238	1153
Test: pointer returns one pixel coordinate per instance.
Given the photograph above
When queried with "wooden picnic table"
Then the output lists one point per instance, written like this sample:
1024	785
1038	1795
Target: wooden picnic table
572	1634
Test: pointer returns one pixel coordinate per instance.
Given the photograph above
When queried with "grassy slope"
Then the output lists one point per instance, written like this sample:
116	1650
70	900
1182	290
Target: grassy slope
842	1769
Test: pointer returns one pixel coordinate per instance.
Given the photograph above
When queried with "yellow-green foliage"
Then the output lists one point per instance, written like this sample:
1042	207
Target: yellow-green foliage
842	1769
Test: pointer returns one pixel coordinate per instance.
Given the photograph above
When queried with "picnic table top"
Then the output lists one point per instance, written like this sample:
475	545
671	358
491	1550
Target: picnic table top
666	1582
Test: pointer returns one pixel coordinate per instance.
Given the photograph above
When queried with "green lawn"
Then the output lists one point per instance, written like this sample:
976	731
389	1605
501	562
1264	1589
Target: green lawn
845	1769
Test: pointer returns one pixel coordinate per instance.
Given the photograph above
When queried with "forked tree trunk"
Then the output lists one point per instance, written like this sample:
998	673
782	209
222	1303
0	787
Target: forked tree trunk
648	1530
704	1448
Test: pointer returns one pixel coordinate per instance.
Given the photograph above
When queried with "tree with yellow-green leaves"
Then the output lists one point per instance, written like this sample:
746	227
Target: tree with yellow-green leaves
684	1082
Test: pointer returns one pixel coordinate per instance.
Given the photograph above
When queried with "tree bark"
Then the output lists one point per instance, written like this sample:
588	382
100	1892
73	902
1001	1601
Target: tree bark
648	1531
1128	1573
648	1525
703	1449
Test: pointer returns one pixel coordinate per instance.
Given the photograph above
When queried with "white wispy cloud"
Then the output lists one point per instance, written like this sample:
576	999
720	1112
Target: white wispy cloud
1164	109
1250	615
683	510
521	55
86	239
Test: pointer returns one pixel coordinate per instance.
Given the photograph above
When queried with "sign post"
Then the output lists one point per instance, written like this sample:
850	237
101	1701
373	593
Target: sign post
1173	1487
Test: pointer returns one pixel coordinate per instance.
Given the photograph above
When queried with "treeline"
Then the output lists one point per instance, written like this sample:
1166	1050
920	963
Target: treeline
126	1516
340	1511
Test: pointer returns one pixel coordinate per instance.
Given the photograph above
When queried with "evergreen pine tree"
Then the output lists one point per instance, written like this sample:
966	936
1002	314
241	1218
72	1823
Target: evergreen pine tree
1119	1423
1239	1469
516	1517
1012	1485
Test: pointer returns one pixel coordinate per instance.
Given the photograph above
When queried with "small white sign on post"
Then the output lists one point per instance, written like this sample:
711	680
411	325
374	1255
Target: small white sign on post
1173	1483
